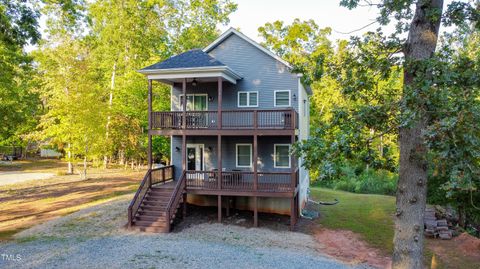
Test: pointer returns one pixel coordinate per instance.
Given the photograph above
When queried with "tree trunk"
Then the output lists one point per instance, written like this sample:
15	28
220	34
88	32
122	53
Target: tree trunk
110	103
69	156
84	172
411	189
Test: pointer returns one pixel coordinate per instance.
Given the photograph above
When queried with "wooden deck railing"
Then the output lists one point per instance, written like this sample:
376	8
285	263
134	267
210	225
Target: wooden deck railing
231	119
177	194
153	176
242	181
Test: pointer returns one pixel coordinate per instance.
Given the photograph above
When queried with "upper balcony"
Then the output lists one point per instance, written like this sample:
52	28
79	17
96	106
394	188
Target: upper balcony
279	119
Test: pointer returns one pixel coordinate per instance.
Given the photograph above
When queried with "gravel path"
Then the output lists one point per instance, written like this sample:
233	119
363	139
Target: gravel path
94	238
7	178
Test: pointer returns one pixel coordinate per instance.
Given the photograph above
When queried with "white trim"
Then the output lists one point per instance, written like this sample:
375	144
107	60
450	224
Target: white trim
193	72
248	98
236	155
169	76
289	98
196	146
231	31
192	94
275	156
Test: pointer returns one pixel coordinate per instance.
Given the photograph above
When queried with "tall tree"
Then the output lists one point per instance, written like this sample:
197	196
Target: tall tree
19	105
421	20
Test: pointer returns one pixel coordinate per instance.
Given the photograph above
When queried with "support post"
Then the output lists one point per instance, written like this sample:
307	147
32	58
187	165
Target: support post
184	105
219	201
219	100
184	152
255	211
227	207
293	165
219	162
292	213
184	211
255	162
149	153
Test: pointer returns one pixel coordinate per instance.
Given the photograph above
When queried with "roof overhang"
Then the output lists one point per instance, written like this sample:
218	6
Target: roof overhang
174	74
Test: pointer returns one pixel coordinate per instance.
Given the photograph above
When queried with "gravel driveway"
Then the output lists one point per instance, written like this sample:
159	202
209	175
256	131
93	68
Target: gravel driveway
13	177
95	238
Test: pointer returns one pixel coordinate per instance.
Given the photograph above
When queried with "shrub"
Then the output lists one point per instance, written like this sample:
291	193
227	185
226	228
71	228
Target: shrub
353	179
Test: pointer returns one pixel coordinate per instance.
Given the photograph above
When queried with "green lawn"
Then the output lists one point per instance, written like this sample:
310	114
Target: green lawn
369	215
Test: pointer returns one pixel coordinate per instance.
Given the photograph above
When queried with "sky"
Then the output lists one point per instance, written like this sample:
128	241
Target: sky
252	14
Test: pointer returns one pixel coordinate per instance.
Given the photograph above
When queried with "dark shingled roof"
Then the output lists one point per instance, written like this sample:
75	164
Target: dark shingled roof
189	59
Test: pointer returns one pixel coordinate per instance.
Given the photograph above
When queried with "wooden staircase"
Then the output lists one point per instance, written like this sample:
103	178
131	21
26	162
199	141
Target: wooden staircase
156	203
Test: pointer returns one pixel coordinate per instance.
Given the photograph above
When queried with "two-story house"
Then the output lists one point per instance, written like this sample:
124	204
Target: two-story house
236	110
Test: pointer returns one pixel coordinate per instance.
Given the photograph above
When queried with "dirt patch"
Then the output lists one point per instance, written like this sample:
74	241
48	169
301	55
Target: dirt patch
460	252
468	244
347	246
28	204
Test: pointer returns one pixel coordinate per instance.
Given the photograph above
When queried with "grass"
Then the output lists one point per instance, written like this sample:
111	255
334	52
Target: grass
369	215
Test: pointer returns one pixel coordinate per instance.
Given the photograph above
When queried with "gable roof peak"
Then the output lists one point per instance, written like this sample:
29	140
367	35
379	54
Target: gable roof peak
234	31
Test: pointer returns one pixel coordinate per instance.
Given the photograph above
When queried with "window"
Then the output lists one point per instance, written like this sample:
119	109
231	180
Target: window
281	156
282	98
195	102
247	99
244	155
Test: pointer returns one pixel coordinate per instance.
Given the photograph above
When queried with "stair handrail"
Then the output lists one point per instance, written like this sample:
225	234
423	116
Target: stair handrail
134	206
175	198
145	185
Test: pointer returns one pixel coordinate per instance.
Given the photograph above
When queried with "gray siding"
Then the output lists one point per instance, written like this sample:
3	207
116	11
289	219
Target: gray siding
265	152
260	73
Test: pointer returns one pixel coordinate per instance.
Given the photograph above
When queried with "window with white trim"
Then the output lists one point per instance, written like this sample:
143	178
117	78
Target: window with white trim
247	99
282	98
244	155
281	153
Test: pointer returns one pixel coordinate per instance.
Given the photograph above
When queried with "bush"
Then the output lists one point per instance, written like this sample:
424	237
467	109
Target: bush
353	179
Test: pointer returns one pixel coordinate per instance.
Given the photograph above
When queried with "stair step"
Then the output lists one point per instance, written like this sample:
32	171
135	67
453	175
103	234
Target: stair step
153	208
151	218
158	198
155	203
147	223
161	190
152	213
159	195
150	229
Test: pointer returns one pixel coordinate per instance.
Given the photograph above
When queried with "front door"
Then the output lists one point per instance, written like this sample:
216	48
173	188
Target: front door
195	157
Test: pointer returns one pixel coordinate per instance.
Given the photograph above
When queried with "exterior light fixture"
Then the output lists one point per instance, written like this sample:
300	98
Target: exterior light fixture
294	97
177	149
211	98
194	82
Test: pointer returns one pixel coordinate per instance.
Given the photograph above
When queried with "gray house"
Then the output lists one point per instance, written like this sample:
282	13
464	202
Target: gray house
236	109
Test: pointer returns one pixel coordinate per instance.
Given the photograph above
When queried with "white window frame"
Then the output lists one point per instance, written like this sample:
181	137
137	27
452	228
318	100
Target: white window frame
248	98
191	94
275	156
236	155
289	98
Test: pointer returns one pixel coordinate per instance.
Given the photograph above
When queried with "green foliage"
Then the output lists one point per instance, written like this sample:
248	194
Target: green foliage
360	100
19	103
96	100
354	179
